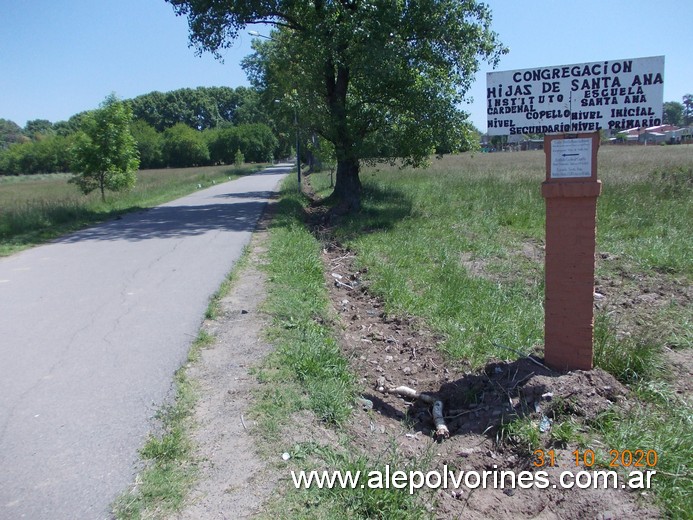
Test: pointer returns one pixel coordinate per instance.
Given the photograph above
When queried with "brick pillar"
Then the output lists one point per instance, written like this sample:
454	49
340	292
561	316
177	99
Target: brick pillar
571	210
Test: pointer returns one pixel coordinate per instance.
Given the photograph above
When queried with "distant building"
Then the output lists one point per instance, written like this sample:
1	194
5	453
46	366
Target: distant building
669	134
679	136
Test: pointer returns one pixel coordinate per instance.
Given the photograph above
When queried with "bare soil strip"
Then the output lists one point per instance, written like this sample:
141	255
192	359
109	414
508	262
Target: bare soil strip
387	351
233	480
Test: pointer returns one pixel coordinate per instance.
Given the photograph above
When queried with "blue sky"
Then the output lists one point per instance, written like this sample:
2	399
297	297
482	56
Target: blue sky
58	58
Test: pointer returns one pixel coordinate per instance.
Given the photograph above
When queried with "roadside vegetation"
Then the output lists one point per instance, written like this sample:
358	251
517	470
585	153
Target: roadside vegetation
459	247
181	128
37	208
307	373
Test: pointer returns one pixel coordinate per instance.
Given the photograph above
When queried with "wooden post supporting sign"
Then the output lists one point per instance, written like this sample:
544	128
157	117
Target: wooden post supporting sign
570	190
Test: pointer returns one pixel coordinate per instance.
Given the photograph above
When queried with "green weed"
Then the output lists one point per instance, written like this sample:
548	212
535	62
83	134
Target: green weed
629	359
665	426
522	432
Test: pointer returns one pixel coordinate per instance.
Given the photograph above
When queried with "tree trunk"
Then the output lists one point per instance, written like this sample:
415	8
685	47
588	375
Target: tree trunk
347	190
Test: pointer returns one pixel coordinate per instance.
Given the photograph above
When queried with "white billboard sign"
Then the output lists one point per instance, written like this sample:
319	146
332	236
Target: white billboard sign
586	97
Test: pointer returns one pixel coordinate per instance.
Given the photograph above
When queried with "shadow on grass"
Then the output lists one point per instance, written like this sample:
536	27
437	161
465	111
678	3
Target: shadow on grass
380	211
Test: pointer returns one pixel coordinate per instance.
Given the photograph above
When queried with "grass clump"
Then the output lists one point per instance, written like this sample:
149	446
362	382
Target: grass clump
630	360
521	432
214	308
664	424
163	485
352	501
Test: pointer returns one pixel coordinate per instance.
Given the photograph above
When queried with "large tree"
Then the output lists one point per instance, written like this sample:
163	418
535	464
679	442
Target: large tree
688	109
373	77
106	155
673	113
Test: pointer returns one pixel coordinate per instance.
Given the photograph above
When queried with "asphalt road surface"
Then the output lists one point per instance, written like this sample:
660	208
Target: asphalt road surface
92	328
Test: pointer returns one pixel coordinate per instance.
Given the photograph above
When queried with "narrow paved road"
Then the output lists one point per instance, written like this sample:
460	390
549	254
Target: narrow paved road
92	328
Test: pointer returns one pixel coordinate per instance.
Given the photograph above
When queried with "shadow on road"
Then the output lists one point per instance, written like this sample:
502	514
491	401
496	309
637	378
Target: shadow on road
246	195
177	221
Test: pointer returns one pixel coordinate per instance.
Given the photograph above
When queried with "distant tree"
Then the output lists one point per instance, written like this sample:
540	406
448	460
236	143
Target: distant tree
150	144
72	125
321	155
238	158
251	108
673	113
688	109
46	154
201	108
184	147
256	141
10	133
38	127
106	152
9	159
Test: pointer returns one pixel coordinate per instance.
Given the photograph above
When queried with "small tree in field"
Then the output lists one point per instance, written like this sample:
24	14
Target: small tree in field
106	154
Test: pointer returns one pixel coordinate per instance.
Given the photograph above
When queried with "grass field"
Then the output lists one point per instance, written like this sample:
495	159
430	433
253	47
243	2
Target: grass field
459	246
36	208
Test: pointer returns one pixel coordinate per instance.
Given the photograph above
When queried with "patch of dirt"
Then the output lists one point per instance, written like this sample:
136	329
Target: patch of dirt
634	302
681	362
233	480
389	351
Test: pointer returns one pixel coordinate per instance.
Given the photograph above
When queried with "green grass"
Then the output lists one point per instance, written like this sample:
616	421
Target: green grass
356	503
307	357
36	208
454	244
458	246
170	469
663	424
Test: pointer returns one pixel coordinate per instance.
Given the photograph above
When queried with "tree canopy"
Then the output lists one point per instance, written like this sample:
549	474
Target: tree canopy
10	133
200	108
372	77
688	109
106	155
673	113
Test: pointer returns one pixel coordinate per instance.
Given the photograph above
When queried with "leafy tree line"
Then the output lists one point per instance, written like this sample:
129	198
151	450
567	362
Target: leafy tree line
185	127
181	146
